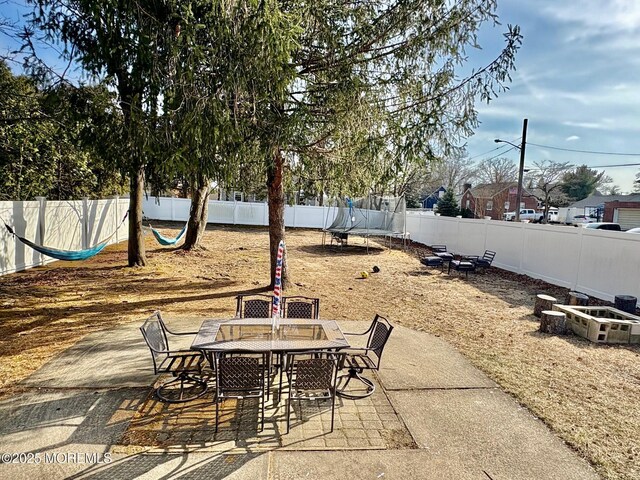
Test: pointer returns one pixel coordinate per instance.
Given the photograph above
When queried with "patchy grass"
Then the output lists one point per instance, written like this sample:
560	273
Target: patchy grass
587	393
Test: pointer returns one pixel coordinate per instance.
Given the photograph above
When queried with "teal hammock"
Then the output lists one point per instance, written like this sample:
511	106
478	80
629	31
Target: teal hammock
67	255
168	241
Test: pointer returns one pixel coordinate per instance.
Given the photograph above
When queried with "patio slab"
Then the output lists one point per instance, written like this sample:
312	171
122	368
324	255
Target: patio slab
416	360
464	427
117	358
491	431
369	423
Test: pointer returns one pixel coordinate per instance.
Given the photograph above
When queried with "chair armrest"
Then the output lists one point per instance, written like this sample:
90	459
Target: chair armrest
470	257
178	333
356	334
349	350
182	353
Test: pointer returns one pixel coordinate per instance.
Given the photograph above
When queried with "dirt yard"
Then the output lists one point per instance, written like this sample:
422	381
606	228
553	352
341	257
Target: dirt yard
587	393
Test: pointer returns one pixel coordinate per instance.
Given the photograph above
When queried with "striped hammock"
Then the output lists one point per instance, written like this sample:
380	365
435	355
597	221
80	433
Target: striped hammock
162	240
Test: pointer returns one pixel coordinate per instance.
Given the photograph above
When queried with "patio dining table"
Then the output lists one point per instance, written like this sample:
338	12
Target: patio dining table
257	335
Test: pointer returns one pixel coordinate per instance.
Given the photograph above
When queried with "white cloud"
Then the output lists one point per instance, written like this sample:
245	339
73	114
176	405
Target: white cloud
589	125
597	17
572	138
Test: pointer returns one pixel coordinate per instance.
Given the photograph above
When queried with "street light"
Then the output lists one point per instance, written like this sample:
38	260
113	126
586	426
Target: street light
520	147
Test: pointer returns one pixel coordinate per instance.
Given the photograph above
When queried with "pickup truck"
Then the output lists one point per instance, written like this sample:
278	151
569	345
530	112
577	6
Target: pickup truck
525	214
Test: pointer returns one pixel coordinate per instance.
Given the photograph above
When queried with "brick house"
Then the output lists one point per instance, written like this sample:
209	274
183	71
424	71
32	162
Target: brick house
495	199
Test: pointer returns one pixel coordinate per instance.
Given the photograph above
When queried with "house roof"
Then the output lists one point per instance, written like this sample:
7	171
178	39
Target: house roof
434	194
595	200
490	190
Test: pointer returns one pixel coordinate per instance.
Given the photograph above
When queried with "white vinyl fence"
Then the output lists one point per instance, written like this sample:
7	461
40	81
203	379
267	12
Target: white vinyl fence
597	262
239	213
65	225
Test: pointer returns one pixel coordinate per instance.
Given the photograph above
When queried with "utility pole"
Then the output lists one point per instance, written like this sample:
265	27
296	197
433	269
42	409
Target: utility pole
521	169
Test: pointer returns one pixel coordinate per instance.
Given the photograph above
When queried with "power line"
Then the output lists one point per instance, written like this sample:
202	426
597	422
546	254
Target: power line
499	154
493	150
585	151
620	165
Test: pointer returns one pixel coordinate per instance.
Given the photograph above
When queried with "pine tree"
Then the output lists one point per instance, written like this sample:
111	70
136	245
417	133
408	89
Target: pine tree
447	205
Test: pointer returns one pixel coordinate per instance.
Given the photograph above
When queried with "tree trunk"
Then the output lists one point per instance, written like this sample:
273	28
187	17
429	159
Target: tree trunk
136	252
553	322
543	302
275	190
198	214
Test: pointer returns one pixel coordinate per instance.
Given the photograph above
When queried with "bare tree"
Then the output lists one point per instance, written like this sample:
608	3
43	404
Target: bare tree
496	170
452	173
545	180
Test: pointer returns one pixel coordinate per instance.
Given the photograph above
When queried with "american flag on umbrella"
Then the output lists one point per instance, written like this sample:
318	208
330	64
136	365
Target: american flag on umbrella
277	286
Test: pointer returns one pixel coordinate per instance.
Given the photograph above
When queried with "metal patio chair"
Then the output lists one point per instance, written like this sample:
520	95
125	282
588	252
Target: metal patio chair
441	251
483	261
184	365
312	378
240	375
357	360
254	306
300	307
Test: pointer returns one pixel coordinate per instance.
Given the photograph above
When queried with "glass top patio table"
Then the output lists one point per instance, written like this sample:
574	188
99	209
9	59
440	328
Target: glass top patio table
256	335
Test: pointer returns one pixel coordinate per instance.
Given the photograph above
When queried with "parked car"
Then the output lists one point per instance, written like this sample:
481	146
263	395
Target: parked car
582	220
603	226
633	230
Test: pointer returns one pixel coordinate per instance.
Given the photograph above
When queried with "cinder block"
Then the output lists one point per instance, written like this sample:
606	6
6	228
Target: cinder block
598	329
619	332
602	324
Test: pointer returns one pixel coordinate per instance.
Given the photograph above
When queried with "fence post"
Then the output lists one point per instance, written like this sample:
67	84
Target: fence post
294	215
486	232
235	212
41	223
116	199
581	241
522	244
85	222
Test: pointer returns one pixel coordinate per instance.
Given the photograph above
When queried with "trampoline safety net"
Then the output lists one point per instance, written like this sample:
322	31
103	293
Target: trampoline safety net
370	216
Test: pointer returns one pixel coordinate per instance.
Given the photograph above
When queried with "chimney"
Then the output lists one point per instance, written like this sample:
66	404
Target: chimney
467	186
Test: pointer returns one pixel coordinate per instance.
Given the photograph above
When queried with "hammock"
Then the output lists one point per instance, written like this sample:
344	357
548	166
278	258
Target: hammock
68	255
168	241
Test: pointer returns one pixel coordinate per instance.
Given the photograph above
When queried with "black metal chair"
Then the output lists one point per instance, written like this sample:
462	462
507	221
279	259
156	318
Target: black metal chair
312	378
300	307
484	261
254	306
184	365
240	375
357	360
441	251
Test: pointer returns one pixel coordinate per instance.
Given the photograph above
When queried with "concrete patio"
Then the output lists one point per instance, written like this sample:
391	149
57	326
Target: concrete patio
451	421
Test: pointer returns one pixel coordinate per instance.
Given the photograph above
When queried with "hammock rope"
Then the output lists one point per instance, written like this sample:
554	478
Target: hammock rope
67	255
162	240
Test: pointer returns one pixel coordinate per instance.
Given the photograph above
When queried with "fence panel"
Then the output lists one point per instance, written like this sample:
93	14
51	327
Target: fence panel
551	253
251	213
219	212
609	264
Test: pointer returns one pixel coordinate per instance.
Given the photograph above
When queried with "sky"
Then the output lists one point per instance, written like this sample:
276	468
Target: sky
577	80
